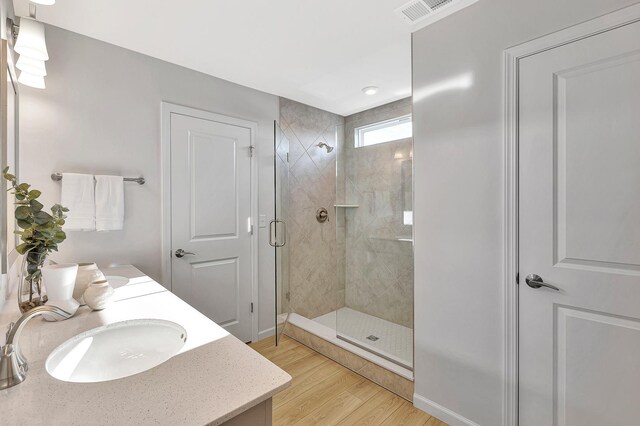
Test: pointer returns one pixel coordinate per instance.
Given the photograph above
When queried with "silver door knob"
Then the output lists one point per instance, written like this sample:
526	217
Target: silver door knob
182	253
535	281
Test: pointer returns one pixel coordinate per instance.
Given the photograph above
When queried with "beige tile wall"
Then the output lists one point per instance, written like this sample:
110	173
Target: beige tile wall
379	264
363	265
312	248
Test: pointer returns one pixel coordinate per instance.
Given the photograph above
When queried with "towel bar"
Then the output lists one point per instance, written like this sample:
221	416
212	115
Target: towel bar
138	180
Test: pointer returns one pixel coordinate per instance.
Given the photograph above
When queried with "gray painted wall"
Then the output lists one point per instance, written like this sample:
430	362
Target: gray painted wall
458	159
100	113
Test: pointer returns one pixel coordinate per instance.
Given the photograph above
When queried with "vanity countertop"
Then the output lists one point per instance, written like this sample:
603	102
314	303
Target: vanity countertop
214	378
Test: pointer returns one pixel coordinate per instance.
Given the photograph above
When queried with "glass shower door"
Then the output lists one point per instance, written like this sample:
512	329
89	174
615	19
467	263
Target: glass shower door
376	236
278	228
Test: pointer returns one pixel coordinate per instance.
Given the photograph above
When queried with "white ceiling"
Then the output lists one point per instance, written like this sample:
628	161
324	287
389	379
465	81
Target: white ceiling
321	52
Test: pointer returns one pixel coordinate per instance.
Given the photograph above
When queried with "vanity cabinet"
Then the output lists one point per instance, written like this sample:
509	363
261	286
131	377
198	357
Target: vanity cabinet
215	379
258	415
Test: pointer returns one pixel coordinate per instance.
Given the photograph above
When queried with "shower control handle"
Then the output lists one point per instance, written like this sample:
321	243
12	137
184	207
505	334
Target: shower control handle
322	215
181	253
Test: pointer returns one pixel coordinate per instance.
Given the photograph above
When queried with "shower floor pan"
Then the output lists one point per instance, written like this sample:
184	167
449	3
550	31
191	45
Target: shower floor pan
329	334
389	340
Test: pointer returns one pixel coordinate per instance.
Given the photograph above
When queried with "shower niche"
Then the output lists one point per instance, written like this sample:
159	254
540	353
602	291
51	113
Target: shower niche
348	279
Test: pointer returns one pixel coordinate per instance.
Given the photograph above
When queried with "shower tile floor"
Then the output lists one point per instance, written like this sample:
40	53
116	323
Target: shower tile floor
394	342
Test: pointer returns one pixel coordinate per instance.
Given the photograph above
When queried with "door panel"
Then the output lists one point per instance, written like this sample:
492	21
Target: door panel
579	218
206	293
597	394
210	211
598	203
215	207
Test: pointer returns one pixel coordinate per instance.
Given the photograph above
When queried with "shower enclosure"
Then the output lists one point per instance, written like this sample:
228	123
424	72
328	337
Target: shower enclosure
346	273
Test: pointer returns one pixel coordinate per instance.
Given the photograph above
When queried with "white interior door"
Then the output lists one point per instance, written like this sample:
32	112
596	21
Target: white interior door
579	209
210	214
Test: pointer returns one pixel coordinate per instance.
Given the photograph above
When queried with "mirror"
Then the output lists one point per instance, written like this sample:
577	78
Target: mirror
9	125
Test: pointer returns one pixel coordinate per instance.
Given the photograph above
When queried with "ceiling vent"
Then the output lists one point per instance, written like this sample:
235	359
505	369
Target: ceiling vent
420	13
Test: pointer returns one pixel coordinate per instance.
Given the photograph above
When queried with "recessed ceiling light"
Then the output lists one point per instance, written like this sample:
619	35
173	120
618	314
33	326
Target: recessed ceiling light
370	90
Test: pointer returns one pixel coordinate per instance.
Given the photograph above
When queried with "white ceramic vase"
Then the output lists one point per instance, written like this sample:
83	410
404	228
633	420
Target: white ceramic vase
99	295
87	273
59	280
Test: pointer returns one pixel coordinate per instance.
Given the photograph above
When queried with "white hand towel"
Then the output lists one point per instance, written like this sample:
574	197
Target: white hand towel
78	197
109	203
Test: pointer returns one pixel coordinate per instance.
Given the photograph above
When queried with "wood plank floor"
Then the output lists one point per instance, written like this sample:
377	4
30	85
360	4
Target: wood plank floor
324	392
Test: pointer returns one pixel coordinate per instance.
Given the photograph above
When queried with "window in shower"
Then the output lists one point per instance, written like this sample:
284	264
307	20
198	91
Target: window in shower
383	131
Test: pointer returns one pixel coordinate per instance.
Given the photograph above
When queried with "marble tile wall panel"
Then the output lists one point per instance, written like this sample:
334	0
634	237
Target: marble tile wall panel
312	248
363	265
378	263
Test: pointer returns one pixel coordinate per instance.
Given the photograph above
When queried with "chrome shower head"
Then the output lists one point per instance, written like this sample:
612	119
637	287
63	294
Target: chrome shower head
325	146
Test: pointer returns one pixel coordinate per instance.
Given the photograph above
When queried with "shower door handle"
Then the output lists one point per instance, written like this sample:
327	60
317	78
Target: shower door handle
272	233
273	240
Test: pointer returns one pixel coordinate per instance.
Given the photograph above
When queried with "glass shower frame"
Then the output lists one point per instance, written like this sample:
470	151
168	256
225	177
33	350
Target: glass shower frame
398	241
375	228
278	229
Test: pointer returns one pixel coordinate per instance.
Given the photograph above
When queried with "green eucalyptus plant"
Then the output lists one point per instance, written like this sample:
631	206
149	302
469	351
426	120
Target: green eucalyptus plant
40	233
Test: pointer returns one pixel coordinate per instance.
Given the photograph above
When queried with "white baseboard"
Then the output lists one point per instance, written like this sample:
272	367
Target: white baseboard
266	333
442	413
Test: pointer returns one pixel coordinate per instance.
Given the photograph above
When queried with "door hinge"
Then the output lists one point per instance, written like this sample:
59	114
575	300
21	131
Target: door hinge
518	278
251	307
251	230
287	157
251	149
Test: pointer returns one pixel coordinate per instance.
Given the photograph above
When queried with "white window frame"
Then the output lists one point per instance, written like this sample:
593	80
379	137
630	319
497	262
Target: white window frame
359	132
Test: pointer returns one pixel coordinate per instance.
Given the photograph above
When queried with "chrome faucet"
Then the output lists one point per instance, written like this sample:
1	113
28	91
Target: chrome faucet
13	365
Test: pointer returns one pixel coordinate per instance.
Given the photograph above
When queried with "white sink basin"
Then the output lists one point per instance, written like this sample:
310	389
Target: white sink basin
116	350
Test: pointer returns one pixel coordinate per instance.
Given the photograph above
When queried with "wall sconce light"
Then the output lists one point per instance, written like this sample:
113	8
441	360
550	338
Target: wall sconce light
32	66
30	43
28	79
